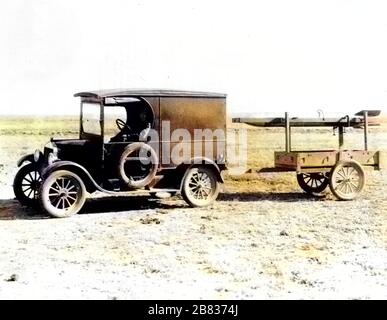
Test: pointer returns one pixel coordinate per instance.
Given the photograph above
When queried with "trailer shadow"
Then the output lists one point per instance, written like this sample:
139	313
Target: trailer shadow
271	196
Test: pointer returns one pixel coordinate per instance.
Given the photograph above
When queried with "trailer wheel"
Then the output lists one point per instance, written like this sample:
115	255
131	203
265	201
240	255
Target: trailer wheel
62	194
347	180
312	183
200	187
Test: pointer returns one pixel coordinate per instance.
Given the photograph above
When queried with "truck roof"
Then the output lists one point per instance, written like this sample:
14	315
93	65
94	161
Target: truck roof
147	93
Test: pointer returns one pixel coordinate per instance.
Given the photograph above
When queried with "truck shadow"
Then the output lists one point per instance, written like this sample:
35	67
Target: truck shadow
118	204
10	209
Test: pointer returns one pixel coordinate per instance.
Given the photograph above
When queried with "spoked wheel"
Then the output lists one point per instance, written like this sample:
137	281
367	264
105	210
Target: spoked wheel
200	187
62	194
26	185
315	182
347	180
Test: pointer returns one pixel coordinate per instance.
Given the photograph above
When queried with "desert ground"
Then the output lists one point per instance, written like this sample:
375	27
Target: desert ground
263	239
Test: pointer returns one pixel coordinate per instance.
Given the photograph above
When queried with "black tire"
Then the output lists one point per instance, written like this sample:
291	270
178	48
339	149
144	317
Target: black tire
26	185
347	180
200	187
130	154
312	183
62	194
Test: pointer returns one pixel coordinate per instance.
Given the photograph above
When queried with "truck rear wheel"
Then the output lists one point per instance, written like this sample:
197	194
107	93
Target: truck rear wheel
200	187
62	194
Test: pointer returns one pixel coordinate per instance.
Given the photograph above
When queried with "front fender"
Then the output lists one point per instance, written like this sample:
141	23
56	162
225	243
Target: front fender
26	158
91	184
61	165
30	158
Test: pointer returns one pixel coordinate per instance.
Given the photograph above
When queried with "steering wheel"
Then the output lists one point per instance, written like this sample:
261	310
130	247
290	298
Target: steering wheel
122	124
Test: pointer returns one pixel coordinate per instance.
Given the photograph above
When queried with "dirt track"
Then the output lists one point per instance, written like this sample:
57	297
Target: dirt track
259	244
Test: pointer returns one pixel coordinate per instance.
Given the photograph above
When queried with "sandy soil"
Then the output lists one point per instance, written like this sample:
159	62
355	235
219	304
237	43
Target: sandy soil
260	240
249	245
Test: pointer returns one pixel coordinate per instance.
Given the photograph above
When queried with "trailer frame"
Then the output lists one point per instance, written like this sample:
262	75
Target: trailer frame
341	169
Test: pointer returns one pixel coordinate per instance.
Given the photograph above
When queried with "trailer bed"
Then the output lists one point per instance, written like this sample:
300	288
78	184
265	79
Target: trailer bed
323	160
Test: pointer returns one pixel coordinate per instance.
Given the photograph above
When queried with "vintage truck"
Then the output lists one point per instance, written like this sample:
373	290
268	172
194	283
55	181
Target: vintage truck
139	156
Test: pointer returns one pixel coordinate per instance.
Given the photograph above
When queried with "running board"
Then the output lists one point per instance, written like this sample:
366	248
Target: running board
131	193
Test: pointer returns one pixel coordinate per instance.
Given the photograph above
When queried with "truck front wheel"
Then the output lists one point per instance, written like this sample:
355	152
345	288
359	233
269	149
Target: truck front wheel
62	194
26	185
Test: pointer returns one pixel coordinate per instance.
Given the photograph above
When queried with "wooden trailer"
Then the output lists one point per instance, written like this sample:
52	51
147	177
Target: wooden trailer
341	169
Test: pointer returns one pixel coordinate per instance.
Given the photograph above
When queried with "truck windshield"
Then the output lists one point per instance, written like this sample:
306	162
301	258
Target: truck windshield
91	118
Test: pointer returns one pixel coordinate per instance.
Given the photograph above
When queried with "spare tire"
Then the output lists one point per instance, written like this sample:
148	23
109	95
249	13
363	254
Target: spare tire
138	165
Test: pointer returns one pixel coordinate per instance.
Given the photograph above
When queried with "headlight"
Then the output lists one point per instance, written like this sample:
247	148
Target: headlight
51	158
36	155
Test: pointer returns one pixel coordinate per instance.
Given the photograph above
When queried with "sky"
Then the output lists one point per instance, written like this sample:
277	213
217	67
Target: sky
268	56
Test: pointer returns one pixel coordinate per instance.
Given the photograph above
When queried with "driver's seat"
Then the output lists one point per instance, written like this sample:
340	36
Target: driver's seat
133	136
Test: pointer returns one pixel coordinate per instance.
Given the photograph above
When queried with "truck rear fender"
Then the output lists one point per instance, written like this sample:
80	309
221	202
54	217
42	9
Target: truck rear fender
197	162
